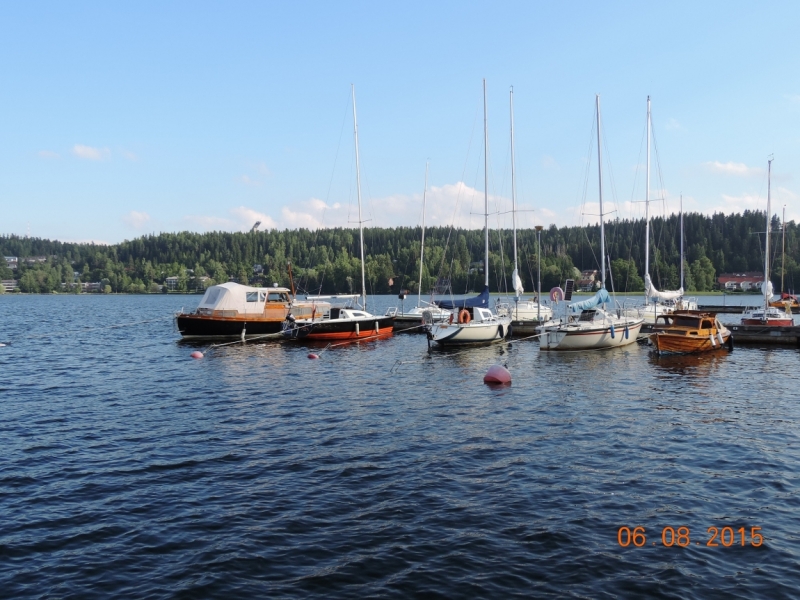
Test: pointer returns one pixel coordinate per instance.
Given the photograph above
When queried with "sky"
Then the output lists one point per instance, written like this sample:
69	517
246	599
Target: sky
128	118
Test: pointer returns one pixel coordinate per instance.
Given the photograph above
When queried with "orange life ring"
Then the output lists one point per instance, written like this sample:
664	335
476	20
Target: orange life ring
464	317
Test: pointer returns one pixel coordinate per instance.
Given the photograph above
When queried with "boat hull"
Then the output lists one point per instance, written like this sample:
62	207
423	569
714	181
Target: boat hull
458	334
335	330
597	338
769	322
668	343
200	326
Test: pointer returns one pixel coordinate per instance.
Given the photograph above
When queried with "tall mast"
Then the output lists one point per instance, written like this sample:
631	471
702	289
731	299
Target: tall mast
783	246
600	180
485	189
513	195
422	246
647	204
766	250
358	188
681	241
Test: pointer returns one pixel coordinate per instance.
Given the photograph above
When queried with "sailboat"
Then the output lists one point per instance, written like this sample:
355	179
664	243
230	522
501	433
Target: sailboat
659	302
766	315
404	320
343	323
530	311
787	301
476	323
594	328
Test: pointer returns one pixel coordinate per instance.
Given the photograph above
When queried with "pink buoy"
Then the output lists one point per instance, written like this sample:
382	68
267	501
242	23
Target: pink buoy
196	354
312	355
497	374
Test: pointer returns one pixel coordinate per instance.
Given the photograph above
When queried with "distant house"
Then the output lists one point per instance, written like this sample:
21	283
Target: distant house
588	280
12	262
258	269
9	284
740	281
96	286
32	260
171	283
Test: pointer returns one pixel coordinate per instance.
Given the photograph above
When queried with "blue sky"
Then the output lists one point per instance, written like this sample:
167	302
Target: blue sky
119	119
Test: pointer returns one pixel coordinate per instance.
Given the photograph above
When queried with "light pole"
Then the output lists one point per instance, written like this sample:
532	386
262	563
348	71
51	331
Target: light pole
539	274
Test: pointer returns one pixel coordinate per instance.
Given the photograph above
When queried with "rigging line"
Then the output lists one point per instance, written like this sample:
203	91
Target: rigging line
90	329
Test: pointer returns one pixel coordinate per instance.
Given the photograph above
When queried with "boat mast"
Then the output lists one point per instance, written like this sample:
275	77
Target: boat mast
681	241
358	188
647	208
422	246
485	190
766	250
600	180
513	198
783	245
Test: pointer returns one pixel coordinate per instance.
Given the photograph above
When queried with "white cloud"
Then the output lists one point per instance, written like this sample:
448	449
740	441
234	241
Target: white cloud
136	219
85	241
794	98
732	168
129	155
738	204
246	180
90	153
48	154
548	162
246	217
673	125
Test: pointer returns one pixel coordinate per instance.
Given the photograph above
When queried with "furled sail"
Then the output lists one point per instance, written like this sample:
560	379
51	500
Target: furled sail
518	288
768	290
601	297
651	292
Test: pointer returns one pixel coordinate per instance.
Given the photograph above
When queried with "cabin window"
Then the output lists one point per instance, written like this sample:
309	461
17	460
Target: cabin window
707	325
251	296
212	295
275	297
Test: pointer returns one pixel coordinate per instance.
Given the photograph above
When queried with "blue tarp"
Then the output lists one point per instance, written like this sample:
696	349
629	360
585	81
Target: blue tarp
481	300
601	297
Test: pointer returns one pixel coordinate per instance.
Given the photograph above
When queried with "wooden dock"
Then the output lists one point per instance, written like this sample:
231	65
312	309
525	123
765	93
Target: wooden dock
730	310
758	334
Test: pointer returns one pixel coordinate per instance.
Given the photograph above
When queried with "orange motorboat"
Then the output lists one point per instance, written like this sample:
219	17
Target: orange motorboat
788	301
690	331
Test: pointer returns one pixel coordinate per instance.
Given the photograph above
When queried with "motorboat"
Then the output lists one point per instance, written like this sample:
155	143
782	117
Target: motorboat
689	332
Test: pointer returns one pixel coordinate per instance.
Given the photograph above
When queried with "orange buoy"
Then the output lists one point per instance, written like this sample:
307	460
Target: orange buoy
196	354
312	355
497	375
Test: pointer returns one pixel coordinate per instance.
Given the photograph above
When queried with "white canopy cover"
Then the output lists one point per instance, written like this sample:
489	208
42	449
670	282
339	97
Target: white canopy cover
651	292
768	290
242	298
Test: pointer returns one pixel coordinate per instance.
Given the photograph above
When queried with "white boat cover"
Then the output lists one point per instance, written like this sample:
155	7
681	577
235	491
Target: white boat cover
768	290
651	292
242	298
518	288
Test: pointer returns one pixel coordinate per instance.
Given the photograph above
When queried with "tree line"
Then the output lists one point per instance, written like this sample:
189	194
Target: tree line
327	261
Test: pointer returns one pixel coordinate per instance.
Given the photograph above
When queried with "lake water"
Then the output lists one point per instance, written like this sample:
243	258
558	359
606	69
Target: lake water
130	470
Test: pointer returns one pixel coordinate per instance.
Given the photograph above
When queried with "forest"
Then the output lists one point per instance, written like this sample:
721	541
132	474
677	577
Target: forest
327	261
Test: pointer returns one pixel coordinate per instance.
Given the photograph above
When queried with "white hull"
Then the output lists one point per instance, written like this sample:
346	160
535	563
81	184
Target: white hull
446	334
525	311
590	335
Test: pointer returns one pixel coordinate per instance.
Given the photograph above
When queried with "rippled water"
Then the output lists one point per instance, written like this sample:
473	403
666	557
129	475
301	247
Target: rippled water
130	470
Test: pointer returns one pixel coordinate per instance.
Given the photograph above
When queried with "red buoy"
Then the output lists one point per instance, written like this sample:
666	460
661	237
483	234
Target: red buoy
497	374
196	354
312	355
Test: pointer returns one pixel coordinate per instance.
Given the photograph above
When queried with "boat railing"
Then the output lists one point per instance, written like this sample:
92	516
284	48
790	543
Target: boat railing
391	312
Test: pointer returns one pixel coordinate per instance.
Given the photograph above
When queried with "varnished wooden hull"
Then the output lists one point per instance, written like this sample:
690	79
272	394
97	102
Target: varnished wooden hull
668	343
376	327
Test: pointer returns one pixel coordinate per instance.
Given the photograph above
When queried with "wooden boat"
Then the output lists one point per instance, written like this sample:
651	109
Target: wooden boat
690	331
788	301
231	310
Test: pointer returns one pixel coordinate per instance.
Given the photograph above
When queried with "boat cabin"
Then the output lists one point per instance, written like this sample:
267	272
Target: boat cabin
688	323
232	300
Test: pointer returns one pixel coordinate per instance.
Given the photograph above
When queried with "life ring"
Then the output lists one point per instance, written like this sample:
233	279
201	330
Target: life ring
556	294
464	317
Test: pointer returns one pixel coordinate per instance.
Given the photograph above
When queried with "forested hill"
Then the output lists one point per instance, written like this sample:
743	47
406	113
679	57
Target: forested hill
328	260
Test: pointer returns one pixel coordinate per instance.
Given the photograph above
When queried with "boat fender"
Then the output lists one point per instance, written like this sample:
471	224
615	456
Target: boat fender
358	332
500	331
464	317
451	318
612	331
721	339
730	343
377	328
713	341
244	331
627	334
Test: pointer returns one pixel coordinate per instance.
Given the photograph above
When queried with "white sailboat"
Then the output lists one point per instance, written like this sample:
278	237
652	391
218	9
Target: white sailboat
594	328
659	302
525	310
766	315
471	320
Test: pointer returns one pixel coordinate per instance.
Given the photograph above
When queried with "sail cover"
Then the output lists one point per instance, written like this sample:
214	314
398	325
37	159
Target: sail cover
481	300
601	297
518	288
651	292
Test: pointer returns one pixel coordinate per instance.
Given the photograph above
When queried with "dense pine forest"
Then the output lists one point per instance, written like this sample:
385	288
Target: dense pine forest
327	261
